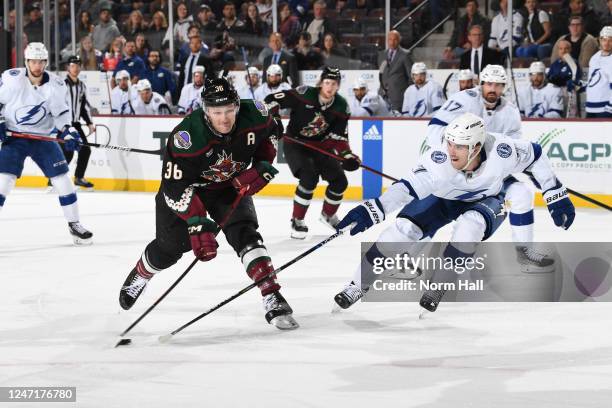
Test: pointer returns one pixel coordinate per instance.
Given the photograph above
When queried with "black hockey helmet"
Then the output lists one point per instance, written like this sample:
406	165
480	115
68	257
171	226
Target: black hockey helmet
74	59
331	73
219	92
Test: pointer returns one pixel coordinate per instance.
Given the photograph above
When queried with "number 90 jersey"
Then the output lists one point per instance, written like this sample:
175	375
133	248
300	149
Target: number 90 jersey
505	119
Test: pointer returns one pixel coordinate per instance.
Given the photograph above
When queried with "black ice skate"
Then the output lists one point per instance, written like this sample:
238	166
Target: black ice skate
532	261
132	288
348	297
83	183
80	236
298	229
431	299
278	312
329	220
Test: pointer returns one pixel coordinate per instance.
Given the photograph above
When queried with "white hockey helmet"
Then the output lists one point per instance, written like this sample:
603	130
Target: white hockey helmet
36	51
274	69
418	68
493	73
537	67
467	130
465	75
360	83
605	32
198	68
123	74
253	71
143	85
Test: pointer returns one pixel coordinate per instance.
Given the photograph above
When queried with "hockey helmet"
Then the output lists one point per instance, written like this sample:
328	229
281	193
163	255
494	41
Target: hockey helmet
418	68
143	85
35	51
274	69
465	75
605	32
199	69
122	74
254	71
360	83
467	130
219	92
494	73
537	67
331	73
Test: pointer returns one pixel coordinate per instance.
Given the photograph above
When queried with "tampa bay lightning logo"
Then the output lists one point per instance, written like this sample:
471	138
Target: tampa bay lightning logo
471	195
419	108
504	150
438	156
595	78
30	115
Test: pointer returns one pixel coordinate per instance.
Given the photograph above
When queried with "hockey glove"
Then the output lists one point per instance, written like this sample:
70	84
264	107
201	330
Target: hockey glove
202	236
363	216
351	161
3	134
560	206
255	178
71	138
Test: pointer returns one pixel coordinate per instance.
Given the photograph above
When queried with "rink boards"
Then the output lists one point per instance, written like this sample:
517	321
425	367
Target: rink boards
580	152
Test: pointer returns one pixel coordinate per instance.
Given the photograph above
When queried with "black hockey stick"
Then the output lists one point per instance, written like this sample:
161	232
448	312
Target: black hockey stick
246	67
167	337
84	143
335	156
445	87
123	342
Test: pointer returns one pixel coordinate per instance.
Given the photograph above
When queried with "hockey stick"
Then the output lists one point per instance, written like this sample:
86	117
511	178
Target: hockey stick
572	102
323	151
445	87
85	143
229	213
246	67
167	337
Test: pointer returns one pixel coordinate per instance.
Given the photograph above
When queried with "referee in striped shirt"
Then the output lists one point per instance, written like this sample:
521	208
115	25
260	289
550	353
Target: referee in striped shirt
79	107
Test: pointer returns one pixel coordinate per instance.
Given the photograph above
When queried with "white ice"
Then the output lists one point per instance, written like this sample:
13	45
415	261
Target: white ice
60	318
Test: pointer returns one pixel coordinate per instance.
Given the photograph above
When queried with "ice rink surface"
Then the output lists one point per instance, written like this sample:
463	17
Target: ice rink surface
60	318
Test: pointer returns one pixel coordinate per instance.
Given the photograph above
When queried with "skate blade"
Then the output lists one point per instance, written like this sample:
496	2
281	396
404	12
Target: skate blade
336	308
85	189
424	313
285	322
82	241
298	235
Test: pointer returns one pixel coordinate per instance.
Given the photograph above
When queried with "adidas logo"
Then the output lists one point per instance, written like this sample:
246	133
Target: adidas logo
372	134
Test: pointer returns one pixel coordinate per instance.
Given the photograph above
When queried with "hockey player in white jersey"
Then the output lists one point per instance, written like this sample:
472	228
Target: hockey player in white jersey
599	88
423	97
540	99
275	83
123	95
191	94
462	180
149	102
501	117
253	80
466	79
35	102
364	103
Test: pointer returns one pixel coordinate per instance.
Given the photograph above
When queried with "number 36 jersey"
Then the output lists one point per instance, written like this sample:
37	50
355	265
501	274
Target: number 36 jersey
504	119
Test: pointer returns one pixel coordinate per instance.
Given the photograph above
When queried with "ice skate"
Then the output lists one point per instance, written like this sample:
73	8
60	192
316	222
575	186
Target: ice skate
348	297
431	299
80	235
532	261
278	312
132	288
298	229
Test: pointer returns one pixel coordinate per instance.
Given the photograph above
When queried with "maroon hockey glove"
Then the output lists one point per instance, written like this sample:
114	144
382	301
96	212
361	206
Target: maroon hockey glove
255	178
202	236
351	161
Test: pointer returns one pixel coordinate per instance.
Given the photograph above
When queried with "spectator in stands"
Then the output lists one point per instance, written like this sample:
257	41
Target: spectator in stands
395	64
560	73
289	25
85	27
479	56
65	26
253	24
149	102
540	99
606	19
131	62
92	58
500	39
599	89
252	83
206	19
142	48
265	10
114	54
368	5
34	28
590	20
185	50
182	24
333	55
583	45
158	5
162	80
319	25
459	41
423	97
157	31
307	57
466	79
230	22
538	33
134	25
195	57
223	52
286	61
94	7
106	30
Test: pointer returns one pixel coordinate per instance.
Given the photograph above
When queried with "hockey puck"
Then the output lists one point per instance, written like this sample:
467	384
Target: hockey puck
124	342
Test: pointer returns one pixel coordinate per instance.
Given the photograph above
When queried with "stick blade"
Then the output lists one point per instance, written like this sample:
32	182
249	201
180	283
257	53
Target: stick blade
123	342
166	338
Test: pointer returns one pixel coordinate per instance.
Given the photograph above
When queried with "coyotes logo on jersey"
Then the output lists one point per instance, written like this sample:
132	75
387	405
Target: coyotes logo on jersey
316	126
223	169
